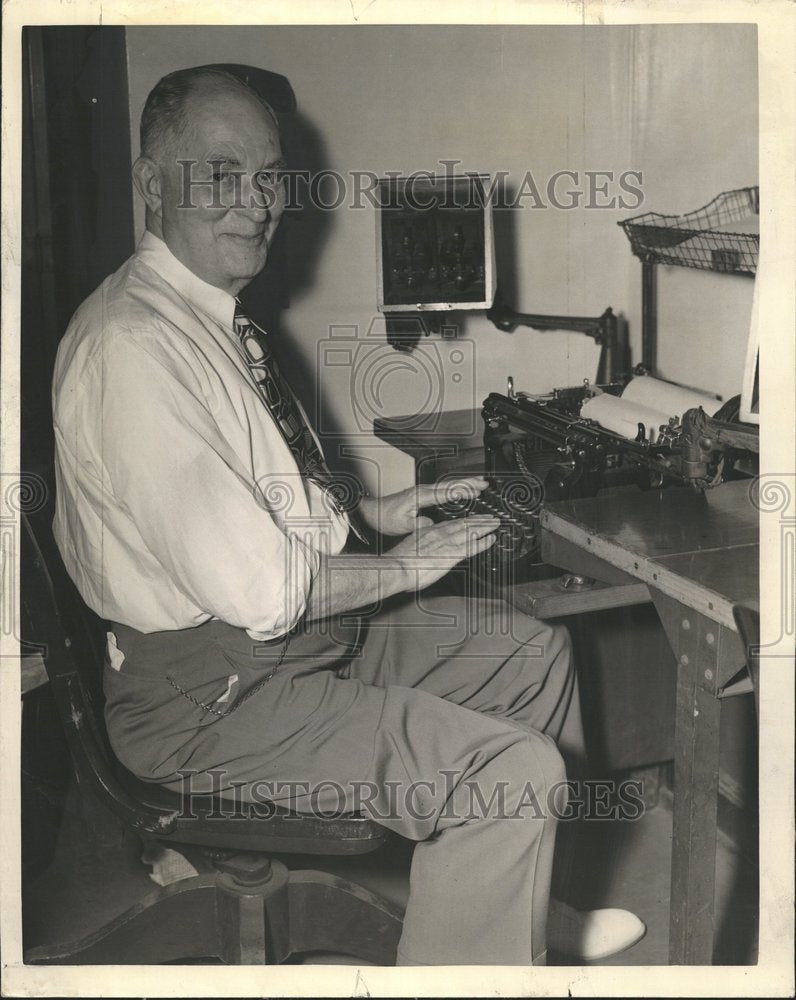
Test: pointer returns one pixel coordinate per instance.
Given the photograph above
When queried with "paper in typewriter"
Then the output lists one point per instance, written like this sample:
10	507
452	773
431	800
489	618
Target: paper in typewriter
648	401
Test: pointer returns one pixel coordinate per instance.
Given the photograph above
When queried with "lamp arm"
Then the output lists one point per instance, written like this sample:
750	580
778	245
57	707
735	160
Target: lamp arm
602	329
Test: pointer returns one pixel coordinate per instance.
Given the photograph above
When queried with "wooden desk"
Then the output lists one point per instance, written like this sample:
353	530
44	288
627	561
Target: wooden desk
694	556
698	555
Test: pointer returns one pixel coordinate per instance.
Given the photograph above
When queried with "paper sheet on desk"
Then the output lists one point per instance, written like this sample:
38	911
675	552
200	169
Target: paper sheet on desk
647	401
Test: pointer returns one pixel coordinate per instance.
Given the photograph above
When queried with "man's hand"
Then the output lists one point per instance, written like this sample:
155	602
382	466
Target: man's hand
396	514
433	550
345	582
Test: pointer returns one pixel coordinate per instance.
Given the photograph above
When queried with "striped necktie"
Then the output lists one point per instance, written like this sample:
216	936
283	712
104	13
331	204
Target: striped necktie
278	398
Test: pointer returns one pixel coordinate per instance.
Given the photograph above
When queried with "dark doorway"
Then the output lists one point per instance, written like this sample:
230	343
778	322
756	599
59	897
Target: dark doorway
77	227
77	214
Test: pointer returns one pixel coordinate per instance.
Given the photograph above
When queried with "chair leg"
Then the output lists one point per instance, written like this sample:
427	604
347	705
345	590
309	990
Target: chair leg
355	921
171	923
253	918
252	911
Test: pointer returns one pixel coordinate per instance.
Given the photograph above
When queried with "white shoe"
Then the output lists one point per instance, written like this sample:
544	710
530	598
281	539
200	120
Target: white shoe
591	935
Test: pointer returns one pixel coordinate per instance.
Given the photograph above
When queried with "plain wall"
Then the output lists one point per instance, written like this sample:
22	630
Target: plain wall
678	103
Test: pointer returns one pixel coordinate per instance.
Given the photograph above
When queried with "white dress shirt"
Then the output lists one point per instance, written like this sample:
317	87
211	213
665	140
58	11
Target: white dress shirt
178	499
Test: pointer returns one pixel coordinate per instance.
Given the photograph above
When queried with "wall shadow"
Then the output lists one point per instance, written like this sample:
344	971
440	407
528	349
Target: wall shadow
304	235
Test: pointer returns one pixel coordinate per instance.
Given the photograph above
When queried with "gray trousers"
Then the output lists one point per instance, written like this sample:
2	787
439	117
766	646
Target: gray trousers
439	717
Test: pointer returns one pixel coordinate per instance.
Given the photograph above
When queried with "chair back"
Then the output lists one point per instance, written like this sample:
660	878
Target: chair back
71	640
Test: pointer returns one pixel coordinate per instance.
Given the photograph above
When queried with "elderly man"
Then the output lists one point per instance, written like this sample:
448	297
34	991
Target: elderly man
195	512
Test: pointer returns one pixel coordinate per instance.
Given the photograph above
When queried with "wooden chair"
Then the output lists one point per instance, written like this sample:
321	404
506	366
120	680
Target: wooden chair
248	908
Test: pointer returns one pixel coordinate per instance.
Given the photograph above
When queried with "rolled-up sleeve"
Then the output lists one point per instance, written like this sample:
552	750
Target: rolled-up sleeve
190	496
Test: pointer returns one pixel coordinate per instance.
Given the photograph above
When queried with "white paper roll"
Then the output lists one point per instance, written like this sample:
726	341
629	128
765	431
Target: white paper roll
673	400
623	416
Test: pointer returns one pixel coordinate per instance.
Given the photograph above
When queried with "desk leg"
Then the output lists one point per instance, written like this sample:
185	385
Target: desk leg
695	643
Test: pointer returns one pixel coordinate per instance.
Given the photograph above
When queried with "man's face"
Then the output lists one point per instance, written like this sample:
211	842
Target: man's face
221	205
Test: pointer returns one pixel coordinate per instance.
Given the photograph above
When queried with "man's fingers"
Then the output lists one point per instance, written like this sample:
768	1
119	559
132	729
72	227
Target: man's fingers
452	550
455	538
466	488
450	540
481	544
459	489
476	525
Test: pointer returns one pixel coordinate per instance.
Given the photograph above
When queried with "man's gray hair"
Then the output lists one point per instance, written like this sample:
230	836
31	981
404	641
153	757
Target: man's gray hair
165	116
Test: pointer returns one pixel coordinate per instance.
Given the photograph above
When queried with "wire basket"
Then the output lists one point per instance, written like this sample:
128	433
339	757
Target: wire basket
699	239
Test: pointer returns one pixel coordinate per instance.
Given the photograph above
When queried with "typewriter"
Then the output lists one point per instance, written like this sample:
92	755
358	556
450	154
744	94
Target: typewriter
539	449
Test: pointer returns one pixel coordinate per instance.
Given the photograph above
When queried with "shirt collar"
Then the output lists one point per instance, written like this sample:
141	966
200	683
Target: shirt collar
215	302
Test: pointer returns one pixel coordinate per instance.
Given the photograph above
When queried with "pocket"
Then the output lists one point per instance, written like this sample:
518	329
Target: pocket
114	657
228	697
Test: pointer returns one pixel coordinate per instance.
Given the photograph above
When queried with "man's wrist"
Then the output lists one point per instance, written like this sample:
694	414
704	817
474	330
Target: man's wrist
401	577
366	508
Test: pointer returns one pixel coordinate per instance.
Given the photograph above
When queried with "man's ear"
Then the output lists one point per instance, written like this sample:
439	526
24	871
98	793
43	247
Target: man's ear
148	182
